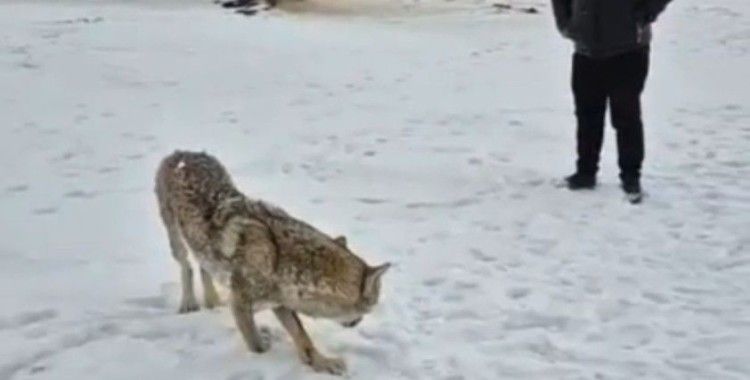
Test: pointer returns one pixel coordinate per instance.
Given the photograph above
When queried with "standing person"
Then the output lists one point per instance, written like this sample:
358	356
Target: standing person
610	65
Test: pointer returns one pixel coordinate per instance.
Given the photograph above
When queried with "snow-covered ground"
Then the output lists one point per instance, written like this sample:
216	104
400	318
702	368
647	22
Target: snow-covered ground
426	132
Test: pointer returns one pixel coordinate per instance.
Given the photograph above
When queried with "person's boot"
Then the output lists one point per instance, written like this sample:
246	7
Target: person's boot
580	181
632	188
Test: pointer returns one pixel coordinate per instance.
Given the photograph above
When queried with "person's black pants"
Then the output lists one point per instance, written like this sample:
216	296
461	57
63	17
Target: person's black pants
618	80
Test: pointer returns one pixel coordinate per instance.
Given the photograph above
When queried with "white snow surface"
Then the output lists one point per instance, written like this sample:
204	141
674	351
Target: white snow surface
427	132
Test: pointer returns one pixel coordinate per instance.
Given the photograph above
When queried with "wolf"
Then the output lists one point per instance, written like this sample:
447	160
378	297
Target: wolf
262	255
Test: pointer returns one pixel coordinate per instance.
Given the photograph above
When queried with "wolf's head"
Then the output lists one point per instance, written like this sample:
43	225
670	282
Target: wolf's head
370	295
369	291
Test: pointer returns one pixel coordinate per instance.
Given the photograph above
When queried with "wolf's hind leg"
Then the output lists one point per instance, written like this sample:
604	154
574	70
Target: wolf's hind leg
307	351
210	296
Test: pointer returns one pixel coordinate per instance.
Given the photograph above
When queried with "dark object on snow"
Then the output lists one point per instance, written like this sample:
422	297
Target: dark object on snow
580	181
618	80
247	12
239	3
248	7
501	8
604	28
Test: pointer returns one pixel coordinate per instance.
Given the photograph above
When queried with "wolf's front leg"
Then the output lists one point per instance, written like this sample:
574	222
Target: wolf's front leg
307	351
242	309
180	254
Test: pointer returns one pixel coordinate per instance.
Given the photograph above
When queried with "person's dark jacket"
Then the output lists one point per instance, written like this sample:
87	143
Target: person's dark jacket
604	28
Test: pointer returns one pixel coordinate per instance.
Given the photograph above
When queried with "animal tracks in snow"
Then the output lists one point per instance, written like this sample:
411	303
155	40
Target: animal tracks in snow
430	149
28	318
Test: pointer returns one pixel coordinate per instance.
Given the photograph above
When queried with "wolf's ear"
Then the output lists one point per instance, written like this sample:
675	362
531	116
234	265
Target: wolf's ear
372	281
341	240
379	270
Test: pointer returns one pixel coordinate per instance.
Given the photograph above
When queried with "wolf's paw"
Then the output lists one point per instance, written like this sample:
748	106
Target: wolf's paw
188	306
212	301
262	342
214	304
334	366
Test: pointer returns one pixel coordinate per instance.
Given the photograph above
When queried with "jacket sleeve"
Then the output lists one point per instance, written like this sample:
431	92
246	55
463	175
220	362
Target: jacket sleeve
563	12
651	9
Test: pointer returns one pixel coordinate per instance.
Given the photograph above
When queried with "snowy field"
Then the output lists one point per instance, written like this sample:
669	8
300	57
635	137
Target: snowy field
428	132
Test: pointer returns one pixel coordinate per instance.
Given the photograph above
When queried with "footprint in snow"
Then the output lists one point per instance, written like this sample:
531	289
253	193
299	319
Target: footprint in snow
371	201
17	189
134	157
435	281
107	169
27	318
655	297
518	293
479	255
452	298
80	194
45	211
634	336
247	375
462	314
465	285
156	302
533	320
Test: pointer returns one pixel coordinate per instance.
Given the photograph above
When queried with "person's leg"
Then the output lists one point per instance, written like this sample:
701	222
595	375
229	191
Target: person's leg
628	76
590	102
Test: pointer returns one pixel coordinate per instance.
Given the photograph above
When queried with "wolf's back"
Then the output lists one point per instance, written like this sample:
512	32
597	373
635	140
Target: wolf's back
193	177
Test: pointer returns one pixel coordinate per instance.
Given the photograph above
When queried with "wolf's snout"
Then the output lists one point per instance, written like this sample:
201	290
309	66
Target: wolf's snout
352	323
